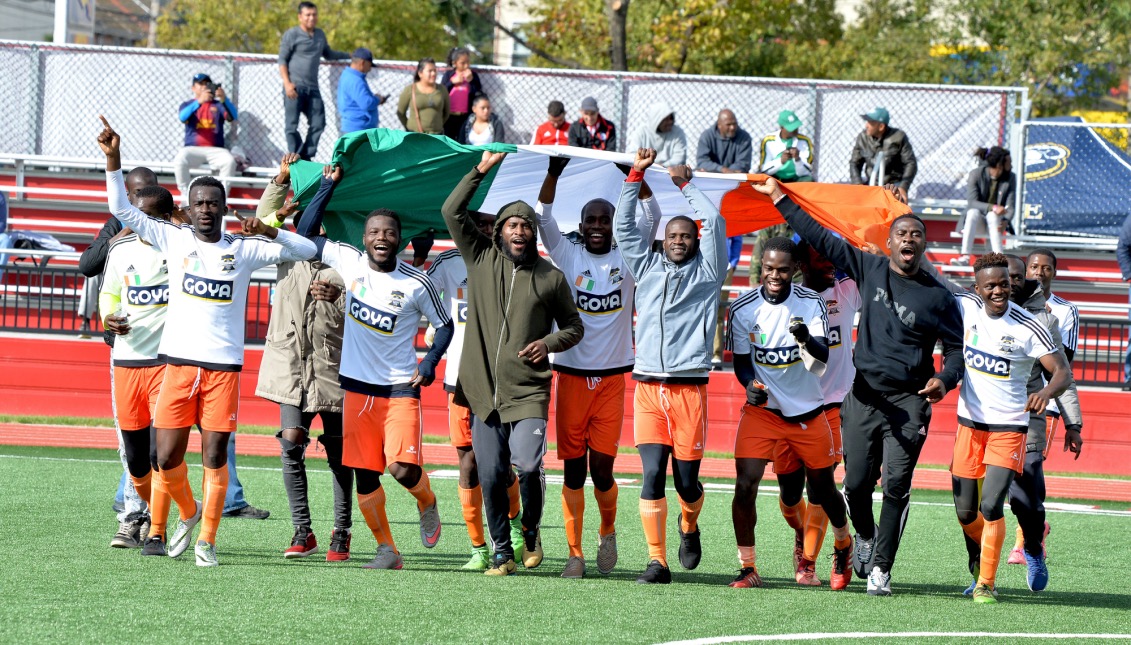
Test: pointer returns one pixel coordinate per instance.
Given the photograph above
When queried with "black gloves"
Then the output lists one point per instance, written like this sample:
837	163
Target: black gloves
799	330
557	166
756	394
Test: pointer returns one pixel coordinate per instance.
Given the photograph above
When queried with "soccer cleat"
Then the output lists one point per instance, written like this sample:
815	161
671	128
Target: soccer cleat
183	535
862	556
806	574
516	537
606	553
501	565
1016	556
984	594
249	512
841	574
206	554
480	559
690	548
970	590
655	574
574	568
386	558
747	578
339	550
430	526
798	548
532	549
879	583
302	544
1037	576
153	545
128	535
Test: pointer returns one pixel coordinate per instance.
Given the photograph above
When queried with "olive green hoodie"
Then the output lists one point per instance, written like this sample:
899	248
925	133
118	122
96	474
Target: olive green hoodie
510	305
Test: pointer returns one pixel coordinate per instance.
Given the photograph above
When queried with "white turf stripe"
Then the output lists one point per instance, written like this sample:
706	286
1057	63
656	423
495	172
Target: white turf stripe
844	635
709	487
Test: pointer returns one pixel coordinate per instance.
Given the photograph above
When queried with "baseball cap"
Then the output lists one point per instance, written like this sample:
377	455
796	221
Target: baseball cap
361	53
589	103
202	78
788	120
878	114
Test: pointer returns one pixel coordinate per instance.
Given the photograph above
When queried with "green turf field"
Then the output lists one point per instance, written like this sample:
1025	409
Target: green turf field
62	582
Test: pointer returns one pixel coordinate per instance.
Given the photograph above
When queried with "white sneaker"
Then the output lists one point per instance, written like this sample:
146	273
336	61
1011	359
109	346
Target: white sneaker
879	583
179	543
206	554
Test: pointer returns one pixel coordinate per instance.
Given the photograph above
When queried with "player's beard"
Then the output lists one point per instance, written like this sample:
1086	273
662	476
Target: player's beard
526	257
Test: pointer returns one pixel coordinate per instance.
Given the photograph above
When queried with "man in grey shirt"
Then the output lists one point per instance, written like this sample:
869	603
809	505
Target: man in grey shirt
300	51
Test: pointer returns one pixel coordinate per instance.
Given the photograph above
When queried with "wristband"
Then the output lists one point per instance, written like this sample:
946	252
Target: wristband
634	177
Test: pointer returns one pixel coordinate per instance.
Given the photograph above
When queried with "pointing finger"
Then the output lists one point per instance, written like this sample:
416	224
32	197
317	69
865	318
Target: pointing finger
105	122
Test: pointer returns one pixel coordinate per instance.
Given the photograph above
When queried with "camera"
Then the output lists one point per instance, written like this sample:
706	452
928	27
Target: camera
212	87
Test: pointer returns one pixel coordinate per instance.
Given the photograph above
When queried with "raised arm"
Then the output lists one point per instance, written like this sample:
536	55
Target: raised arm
634	246
470	242
713	231
152	230
310	223
548	230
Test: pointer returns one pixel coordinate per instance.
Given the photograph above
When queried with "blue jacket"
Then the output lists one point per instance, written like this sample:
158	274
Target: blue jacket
357	106
676	305
1123	250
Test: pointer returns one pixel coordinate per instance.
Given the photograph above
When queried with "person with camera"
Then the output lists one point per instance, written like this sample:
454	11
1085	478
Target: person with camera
204	116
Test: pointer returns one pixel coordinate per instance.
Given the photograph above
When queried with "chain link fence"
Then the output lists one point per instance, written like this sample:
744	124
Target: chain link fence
139	90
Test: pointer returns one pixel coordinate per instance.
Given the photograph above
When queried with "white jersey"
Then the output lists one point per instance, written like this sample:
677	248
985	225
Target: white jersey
759	328
449	273
137	276
207	282
383	313
999	354
603	290
1068	316
842	301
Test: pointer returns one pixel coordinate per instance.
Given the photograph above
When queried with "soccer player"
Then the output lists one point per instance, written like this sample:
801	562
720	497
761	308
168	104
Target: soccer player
779	335
589	394
677	300
379	372
514	301
1001	343
202	344
886	415
842	301
134	297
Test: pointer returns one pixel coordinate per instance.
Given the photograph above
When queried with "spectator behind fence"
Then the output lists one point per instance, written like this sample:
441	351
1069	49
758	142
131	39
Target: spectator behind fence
357	104
989	198
1123	254
787	154
424	106
659	132
463	87
204	116
300	51
725	147
482	126
592	130
887	146
555	131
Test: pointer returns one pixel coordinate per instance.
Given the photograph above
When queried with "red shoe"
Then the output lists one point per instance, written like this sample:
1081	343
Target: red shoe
842	568
806	574
339	546
748	578
302	544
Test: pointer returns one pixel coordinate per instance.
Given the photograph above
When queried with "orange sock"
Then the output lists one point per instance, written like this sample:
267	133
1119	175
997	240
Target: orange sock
746	557
690	520
159	503
993	538
607	504
1019	543
816	523
423	492
515	500
215	489
973	530
471	499
654	517
177	484
794	515
372	507
143	486
573	509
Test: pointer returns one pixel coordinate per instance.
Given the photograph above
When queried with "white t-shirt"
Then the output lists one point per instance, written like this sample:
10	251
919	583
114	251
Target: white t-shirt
999	354
759	328
1068	316
449	273
842	301
207	282
139	275
383	313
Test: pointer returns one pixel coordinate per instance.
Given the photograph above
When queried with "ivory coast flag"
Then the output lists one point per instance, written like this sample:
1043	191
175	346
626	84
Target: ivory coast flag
413	174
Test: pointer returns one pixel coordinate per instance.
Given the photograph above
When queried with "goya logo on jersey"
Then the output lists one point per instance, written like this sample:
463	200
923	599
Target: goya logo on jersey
834	336
777	357
152	296
599	305
988	364
206	288
379	321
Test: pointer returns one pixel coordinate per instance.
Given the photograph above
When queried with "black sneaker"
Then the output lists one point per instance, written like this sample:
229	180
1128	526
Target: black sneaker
655	574
973	556
690	549
862	556
153	545
249	512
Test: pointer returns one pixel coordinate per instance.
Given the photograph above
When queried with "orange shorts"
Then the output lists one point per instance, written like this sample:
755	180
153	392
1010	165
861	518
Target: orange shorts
976	449
589	412
459	423
785	458
378	431
135	395
760	431
197	395
671	415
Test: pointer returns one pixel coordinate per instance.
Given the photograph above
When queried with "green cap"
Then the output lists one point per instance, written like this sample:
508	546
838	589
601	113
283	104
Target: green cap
878	114
788	120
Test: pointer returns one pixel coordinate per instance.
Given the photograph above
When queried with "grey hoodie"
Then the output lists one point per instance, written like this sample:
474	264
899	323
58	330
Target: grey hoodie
671	147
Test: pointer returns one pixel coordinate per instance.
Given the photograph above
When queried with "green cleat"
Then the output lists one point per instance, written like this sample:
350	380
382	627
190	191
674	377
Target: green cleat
518	543
984	594
480	559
